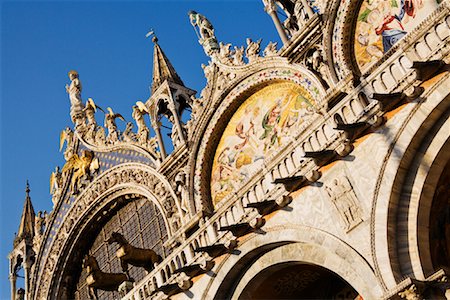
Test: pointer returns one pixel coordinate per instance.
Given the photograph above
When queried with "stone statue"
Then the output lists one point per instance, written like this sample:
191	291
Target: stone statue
205	32
271	49
316	63
252	50
139	111
110	124
300	14
238	57
225	53
176	139
66	136
344	199
90	110
182	190
39	223
56	182
76	104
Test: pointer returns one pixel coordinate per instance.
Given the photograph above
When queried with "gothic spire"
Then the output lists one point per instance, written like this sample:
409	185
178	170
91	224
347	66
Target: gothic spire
162	68
26	227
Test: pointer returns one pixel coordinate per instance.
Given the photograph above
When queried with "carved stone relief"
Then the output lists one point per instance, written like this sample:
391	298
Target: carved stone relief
341	194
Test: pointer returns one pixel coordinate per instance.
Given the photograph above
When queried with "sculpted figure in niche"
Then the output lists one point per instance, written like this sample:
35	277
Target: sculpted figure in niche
344	199
316	63
76	105
182	190
176	139
301	16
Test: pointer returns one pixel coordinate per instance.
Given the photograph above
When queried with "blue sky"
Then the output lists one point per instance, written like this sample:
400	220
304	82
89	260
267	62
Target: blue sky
105	42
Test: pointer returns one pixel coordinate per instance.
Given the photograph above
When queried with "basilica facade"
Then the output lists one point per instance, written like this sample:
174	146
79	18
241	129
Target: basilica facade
315	169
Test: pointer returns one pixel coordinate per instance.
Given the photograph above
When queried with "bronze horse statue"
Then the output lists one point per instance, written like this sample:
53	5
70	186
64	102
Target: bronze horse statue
129	254
97	279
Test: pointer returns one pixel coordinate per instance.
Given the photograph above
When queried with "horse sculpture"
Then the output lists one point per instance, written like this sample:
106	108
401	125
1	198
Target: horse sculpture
97	279
129	254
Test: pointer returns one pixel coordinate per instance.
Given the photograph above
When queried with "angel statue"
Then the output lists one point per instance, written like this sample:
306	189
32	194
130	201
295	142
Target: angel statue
90	110
205	32
139	110
83	167
181	189
76	105
56	182
110	124
66	136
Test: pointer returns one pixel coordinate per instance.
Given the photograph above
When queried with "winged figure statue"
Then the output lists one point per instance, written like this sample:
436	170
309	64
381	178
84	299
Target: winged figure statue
66	136
110	124
82	166
90	110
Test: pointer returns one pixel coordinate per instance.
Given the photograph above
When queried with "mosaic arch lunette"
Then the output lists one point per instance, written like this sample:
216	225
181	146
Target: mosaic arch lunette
265	121
381	24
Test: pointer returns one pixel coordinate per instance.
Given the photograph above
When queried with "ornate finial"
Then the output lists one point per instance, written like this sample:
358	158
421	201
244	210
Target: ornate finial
27	190
152	33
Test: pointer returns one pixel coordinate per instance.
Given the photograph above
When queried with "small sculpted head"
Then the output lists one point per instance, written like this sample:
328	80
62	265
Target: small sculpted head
73	74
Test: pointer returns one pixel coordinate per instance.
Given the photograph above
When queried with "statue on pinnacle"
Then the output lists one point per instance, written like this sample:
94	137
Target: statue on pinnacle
205	32
76	105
